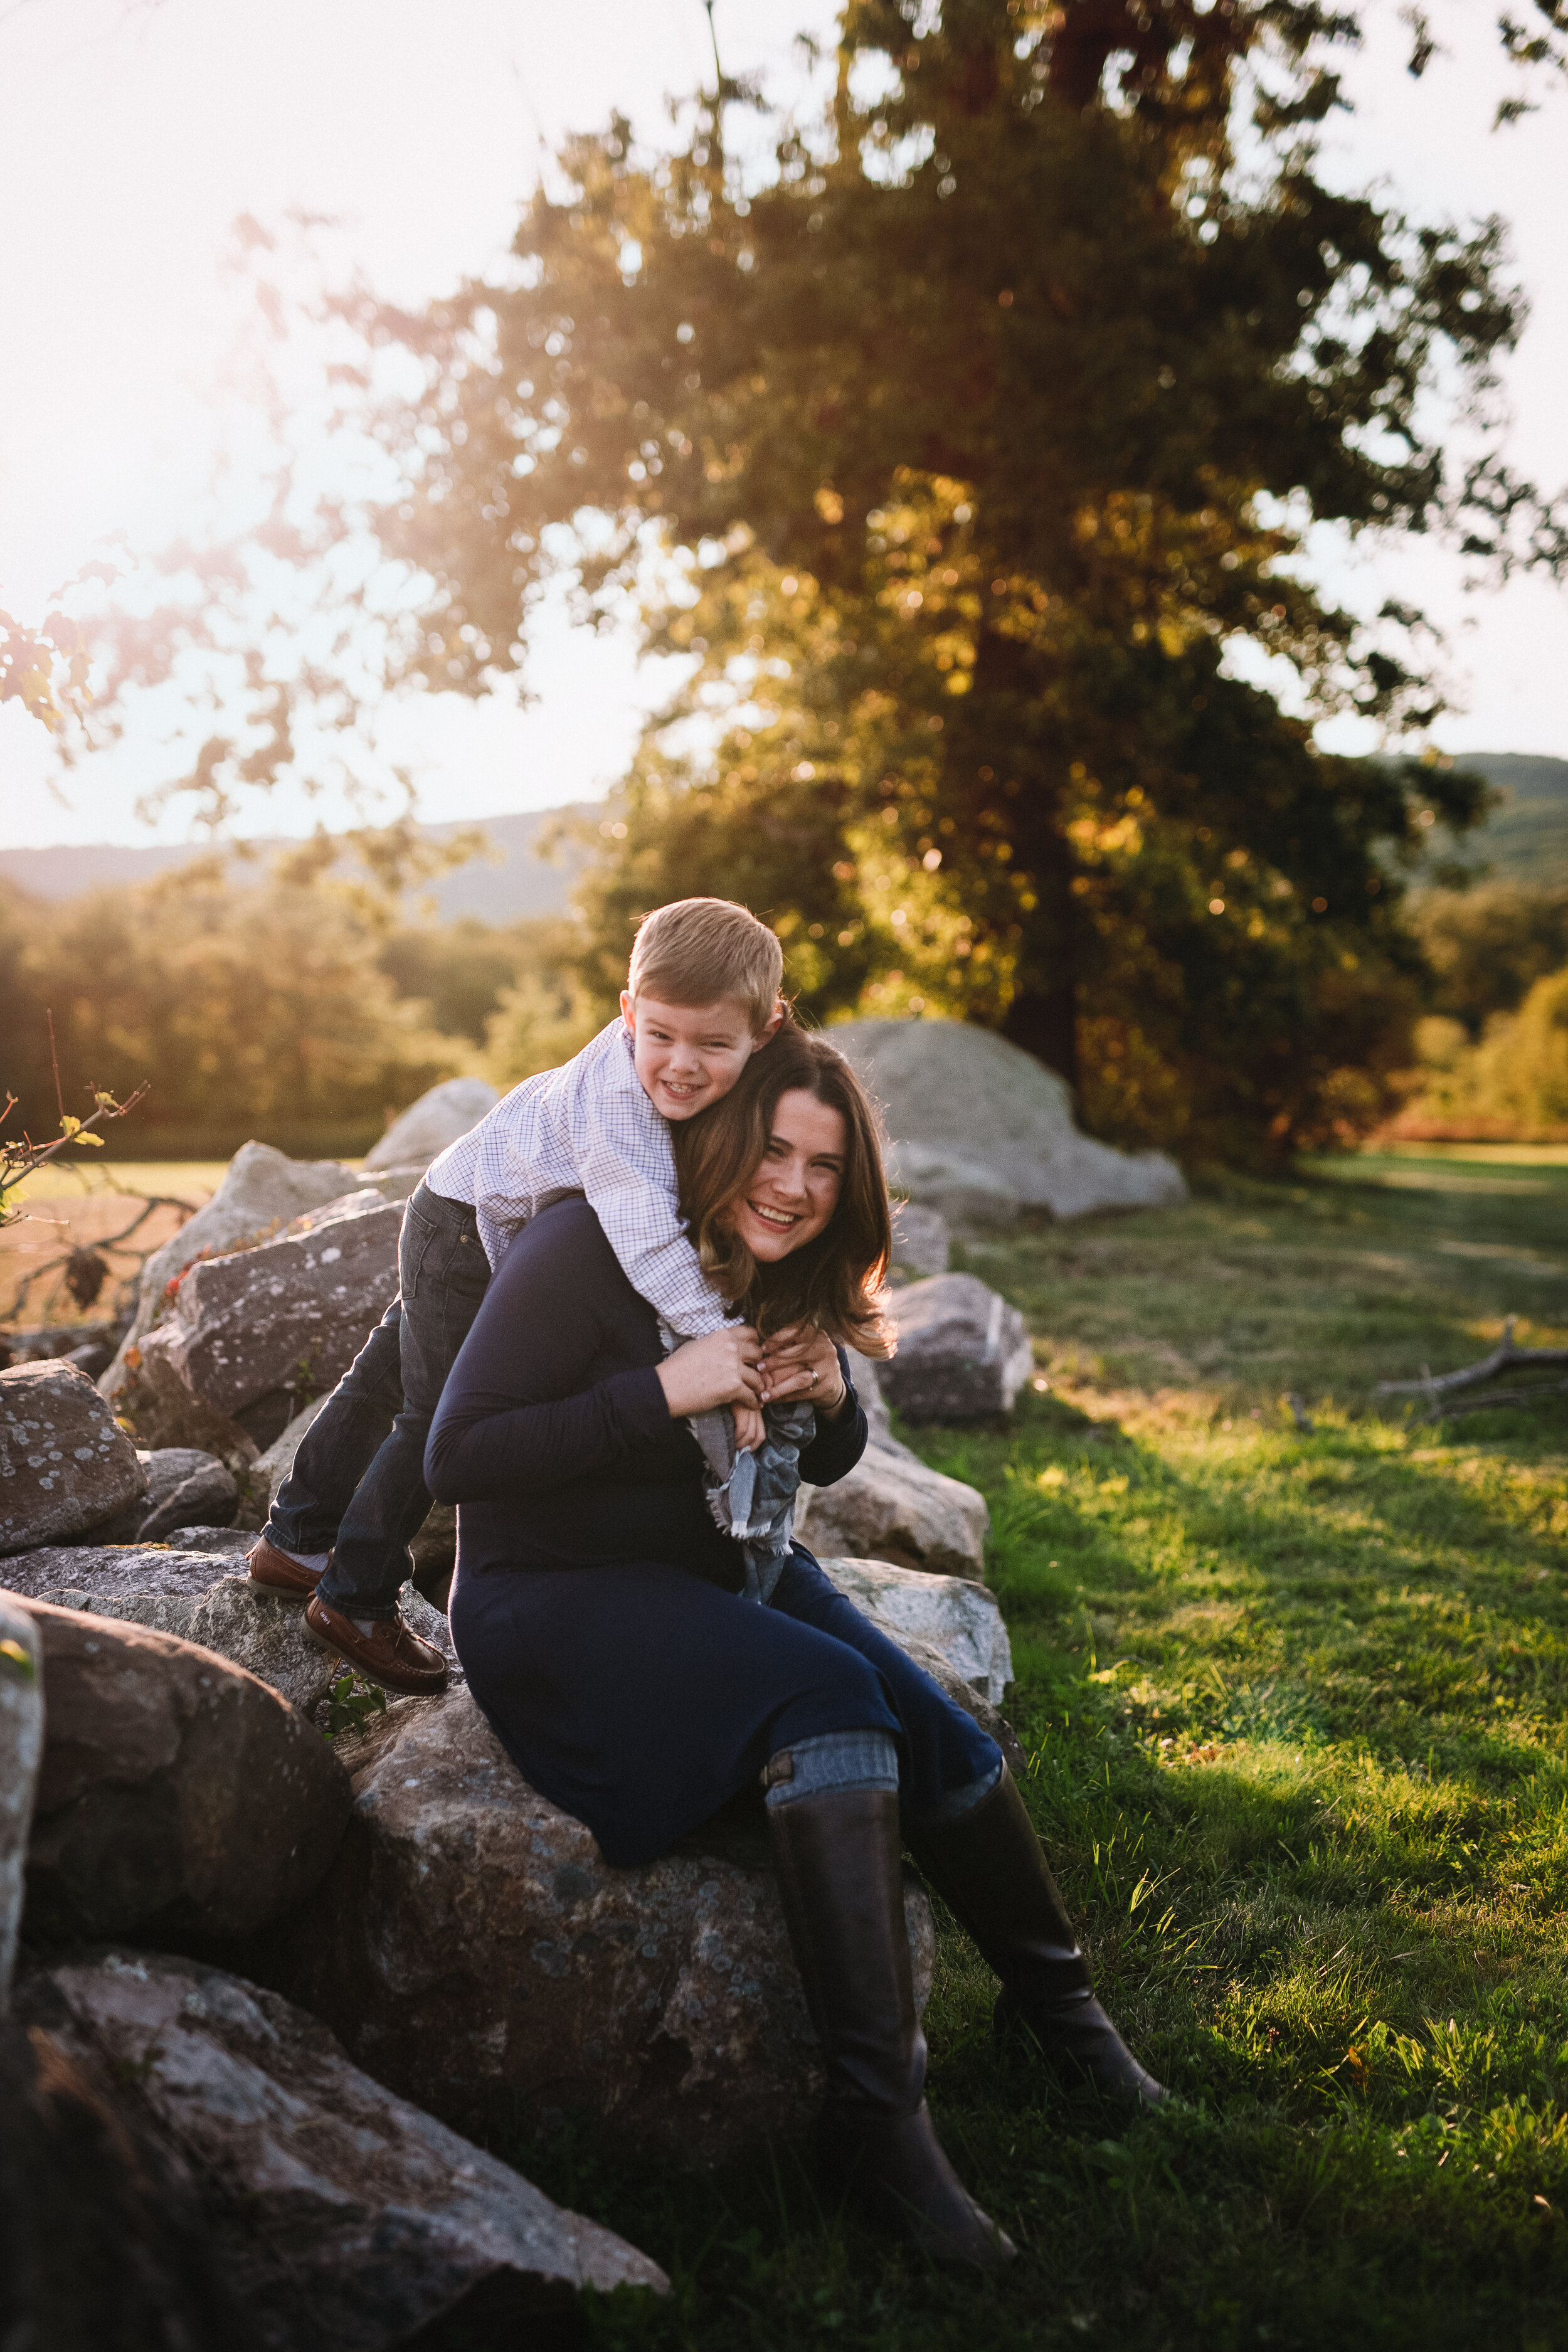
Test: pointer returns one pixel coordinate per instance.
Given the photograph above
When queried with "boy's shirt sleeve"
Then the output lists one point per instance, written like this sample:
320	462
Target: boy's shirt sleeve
627	1168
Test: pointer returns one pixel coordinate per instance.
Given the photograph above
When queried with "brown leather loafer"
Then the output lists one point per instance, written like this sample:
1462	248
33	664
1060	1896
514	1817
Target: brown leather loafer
276	1572
388	1653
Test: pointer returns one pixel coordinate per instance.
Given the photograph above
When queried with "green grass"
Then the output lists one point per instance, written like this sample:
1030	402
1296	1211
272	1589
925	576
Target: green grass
1297	1705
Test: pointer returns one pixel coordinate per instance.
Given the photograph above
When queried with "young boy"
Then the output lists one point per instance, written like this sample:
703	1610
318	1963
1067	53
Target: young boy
701	996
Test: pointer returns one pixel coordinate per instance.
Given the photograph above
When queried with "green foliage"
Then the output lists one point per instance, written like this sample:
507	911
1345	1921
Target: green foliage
1513	1082
1296	1707
351	1704
254	1012
1486	946
965	442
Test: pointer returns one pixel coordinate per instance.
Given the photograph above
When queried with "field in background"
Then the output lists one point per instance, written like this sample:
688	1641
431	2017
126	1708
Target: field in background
1297	1705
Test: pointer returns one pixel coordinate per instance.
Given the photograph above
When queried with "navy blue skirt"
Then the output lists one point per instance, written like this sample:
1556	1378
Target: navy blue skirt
639	1698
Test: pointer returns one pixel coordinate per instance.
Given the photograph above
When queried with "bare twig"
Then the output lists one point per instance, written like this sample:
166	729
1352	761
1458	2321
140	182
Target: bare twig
1505	1357
1534	1395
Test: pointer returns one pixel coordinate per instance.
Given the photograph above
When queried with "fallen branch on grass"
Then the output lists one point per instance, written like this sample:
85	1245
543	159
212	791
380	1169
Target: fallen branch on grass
1504	1358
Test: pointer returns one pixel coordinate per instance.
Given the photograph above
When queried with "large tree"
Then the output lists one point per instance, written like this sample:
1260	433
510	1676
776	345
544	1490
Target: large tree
959	453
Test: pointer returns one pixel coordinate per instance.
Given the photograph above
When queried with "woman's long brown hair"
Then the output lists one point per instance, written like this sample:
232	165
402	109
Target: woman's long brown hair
835	1281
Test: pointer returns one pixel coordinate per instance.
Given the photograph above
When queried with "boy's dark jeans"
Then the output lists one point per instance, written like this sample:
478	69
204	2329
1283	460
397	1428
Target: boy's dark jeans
357	1487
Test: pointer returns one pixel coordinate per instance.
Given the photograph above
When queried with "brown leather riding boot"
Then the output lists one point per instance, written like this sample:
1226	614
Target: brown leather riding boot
838	1862
988	1868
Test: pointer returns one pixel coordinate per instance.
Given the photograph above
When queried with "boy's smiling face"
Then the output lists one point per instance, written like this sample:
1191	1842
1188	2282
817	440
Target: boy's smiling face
688	1056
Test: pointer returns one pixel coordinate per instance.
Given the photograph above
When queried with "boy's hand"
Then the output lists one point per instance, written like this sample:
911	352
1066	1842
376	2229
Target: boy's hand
800	1363
720	1370
750	1428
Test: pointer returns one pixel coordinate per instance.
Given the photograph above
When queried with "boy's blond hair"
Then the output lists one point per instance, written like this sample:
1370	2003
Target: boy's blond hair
696	950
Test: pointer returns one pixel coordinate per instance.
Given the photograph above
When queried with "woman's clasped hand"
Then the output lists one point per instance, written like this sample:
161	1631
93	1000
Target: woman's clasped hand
723	1368
800	1362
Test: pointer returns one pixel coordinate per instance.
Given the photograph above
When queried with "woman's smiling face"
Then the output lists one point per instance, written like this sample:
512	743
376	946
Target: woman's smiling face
793	1189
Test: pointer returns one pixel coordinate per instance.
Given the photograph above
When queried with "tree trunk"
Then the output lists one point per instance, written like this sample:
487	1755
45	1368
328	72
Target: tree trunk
1044	1021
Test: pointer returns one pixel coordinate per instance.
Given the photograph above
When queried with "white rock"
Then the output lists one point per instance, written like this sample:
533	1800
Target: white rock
437	1120
959	1620
922	1239
980	1129
21	1752
891	1507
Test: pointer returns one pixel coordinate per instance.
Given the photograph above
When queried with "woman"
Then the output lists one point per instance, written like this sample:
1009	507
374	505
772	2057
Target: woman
601	1615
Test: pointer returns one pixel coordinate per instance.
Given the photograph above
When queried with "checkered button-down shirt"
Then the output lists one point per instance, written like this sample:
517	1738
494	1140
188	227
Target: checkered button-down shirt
587	1127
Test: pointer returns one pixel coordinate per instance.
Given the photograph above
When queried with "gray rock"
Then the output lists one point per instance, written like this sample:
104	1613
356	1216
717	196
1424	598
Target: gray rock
345	2220
982	1131
109	1572
475	1951
185	1488
252	1337
21	1752
922	1239
262	1190
179	1801
437	1120
182	1593
102	2236
65	1463
964	1351
892	1507
961	1621
219	1543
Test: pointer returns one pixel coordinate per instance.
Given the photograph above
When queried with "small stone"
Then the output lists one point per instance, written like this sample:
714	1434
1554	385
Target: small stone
65	1465
963	1352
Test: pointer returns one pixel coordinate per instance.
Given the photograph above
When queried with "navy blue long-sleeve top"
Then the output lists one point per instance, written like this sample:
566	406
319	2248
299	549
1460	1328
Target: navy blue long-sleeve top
553	1433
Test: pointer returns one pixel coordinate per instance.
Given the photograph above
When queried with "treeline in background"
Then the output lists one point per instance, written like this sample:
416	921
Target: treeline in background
295	1000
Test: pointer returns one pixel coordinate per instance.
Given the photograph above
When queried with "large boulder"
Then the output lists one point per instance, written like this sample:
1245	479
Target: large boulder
473	1949
262	1191
21	1752
963	1352
961	1622
180	1800
252	1335
980	1129
437	1120
339	2218
892	1507
188	1594
65	1465
103	2243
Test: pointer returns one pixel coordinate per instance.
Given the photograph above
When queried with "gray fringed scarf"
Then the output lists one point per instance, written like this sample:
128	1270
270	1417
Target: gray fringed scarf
751	1495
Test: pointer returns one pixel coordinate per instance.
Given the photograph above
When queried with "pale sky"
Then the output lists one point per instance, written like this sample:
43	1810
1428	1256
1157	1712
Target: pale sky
130	136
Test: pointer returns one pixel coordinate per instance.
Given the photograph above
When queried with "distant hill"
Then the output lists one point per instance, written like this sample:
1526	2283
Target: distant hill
517	882
1525	840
